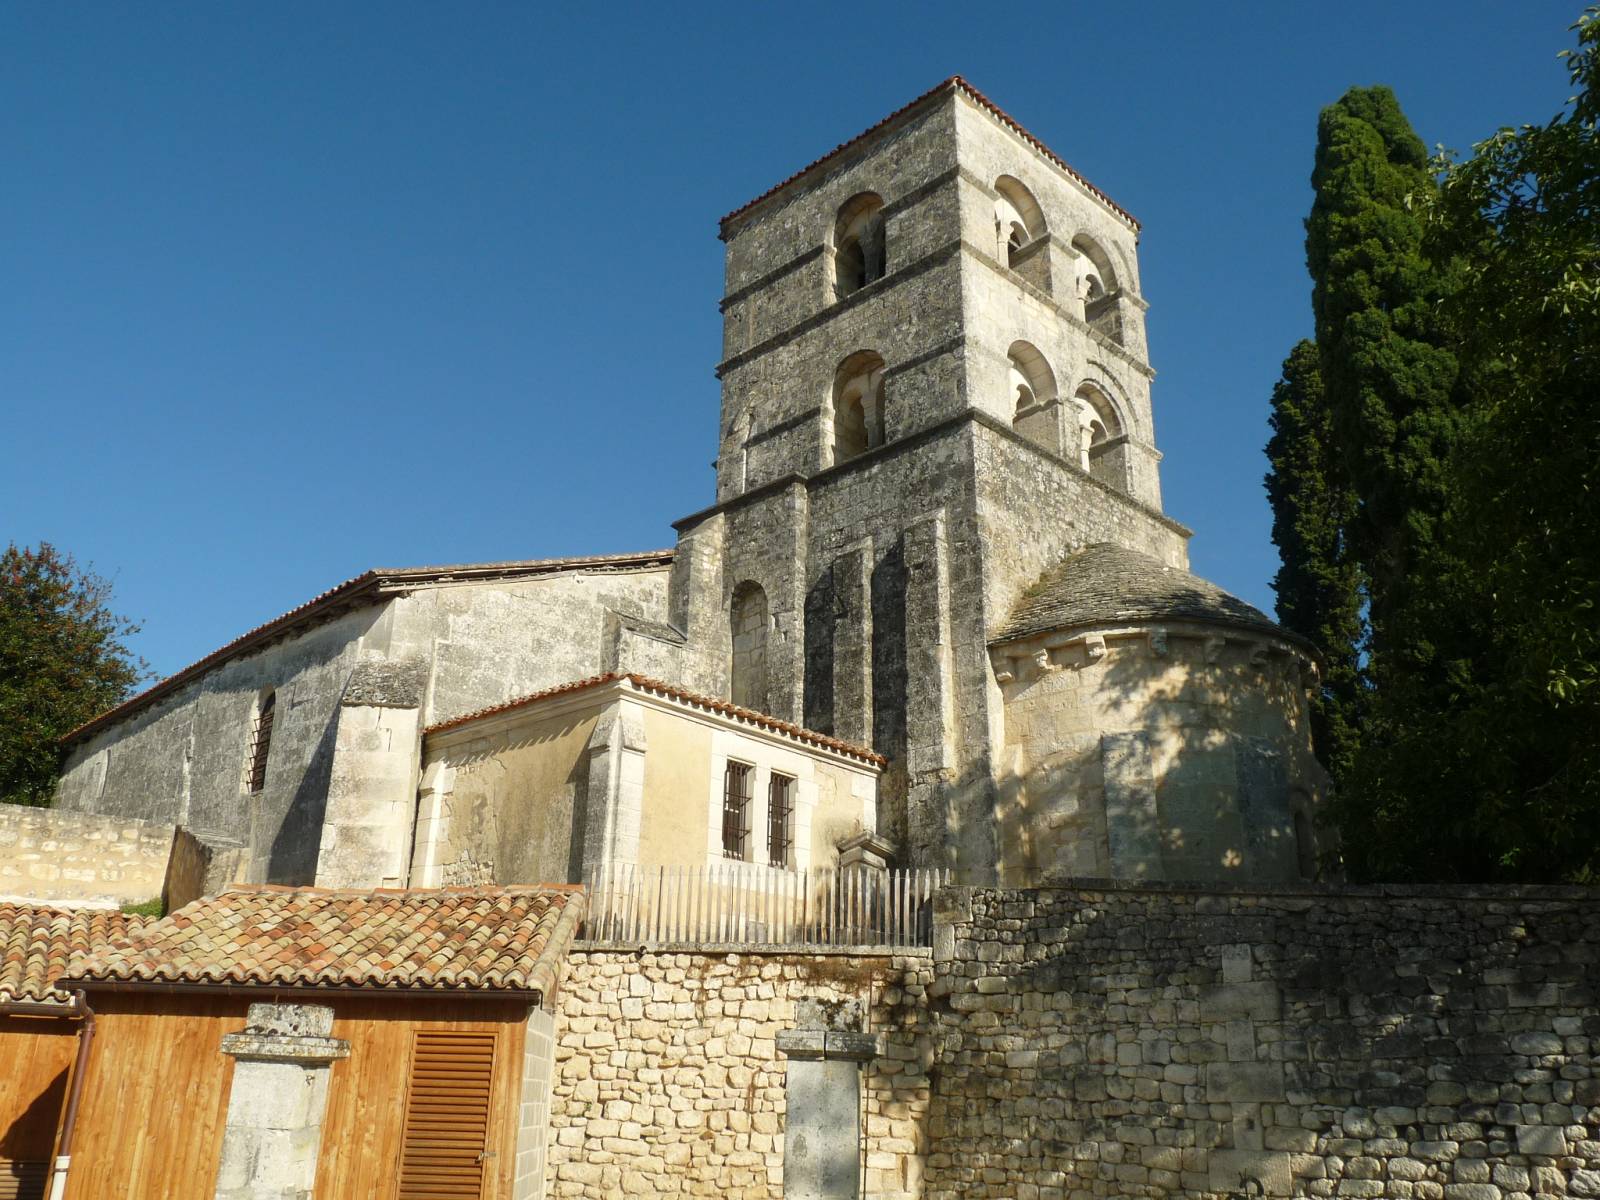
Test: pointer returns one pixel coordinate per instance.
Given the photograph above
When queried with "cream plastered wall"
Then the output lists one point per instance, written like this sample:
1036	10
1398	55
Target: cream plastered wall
831	801
509	797
1176	753
676	766
503	799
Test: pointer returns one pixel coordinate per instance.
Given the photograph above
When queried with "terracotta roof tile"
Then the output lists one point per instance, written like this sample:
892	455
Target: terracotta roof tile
442	939
363	588
954	83
37	942
673	692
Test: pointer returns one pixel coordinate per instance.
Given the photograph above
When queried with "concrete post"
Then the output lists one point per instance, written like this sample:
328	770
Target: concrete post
822	1099
276	1105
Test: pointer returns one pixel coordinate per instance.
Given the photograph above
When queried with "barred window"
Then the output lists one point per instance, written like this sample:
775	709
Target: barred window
737	784
780	820
261	742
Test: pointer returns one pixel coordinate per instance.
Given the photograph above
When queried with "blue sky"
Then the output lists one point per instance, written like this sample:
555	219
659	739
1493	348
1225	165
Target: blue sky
291	291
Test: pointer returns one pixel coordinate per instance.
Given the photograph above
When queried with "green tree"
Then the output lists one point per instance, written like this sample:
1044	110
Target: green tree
1319	585
63	659
1387	366
1522	215
1472	434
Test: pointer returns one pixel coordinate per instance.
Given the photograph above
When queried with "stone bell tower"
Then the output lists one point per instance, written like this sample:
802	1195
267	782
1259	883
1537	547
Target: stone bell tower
934	389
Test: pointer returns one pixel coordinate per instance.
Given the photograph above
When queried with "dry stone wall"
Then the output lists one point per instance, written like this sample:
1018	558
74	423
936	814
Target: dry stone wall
1409	1044
51	856
668	1079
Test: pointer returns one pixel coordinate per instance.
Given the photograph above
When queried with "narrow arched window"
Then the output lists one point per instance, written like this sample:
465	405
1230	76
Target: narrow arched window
859	421
261	743
748	619
858	244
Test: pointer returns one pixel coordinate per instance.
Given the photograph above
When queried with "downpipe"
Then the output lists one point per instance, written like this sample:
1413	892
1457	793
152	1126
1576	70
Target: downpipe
58	1176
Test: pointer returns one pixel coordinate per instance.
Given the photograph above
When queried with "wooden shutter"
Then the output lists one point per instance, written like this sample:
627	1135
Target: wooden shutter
445	1149
22	1180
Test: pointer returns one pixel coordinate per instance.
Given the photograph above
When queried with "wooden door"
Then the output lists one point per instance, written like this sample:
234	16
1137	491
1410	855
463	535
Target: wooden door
444	1151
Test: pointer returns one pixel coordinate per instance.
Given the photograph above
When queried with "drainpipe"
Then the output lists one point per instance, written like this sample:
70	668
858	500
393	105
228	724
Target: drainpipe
78	1010
58	1179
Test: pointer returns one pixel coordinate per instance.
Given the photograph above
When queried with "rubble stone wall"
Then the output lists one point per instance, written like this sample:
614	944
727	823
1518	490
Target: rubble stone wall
1414	1044
50	856
668	1078
1121	1041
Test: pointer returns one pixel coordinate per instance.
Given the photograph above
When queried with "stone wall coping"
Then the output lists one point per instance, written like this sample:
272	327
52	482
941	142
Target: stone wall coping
277	1047
1319	891
750	949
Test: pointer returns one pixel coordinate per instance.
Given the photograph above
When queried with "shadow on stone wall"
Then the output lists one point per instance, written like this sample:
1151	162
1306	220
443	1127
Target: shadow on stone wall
292	858
1159	1041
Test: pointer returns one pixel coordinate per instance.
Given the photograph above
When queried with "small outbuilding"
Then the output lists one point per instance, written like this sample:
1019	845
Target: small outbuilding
271	1041
39	1032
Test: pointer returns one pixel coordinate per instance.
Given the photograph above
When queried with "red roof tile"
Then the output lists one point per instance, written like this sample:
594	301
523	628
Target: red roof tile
36	943
672	692
954	83
438	939
368	587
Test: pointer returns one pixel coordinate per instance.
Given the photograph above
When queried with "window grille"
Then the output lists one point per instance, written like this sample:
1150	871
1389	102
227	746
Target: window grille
780	820
736	789
261	742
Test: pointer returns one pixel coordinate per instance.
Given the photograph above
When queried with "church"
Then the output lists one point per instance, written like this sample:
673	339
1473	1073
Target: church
933	616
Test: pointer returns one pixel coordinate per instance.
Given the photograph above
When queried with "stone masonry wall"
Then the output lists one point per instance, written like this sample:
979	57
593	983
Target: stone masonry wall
1413	1044
668	1079
80	858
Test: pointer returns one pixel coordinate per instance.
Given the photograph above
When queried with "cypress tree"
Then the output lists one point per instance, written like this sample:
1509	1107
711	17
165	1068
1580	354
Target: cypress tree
1386	365
1319	582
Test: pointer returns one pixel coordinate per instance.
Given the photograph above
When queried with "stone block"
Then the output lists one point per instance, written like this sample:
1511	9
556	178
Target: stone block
1230	1081
1548	1140
1231	1170
1259	1001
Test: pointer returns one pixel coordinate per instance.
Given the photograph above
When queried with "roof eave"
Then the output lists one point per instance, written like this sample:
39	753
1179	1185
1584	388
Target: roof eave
533	995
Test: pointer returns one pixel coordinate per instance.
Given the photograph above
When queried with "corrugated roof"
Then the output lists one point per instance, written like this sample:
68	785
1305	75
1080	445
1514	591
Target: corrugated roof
365	588
445	939
673	692
954	83
37	942
1106	584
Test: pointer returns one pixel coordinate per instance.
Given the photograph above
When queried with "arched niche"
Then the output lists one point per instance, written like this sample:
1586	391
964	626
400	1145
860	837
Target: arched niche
1098	288
857	408
1018	219
858	252
1102	439
748	620
1034	399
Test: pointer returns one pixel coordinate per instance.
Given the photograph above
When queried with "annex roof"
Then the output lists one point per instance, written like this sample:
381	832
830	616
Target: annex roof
457	940
1108	584
367	588
687	698
945	87
37	942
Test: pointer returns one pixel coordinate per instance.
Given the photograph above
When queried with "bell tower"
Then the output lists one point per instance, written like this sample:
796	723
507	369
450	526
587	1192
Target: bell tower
934	388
